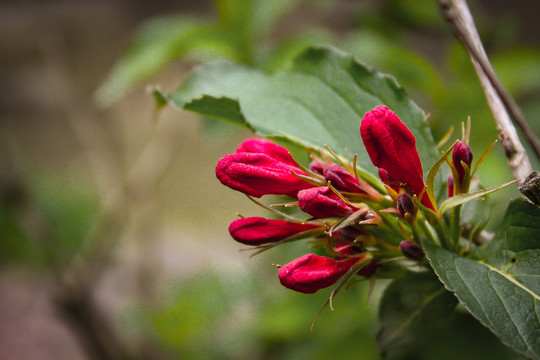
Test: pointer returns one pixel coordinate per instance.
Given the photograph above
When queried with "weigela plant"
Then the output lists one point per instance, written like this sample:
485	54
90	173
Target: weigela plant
366	232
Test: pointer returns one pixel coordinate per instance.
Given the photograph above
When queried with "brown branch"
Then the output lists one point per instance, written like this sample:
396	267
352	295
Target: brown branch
501	103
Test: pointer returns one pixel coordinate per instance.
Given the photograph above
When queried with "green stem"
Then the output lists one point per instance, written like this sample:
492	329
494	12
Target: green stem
414	230
446	242
456	225
425	229
391	223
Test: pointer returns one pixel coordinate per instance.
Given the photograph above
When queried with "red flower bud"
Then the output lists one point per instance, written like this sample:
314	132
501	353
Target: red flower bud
411	250
263	146
347	249
257	174
316	167
369	269
450	185
383	174
405	205
341	179
322	202
311	273
258	230
350	233
392	146
462	152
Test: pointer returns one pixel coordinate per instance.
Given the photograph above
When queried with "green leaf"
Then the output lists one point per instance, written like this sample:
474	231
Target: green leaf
319	100
523	266
463	198
494	296
520	231
411	309
223	108
159	42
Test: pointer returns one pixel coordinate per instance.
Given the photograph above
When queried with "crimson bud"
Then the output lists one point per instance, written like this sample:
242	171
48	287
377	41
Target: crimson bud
392	146
311	272
275	151
462	152
341	179
405	205
258	174
322	202
258	230
411	250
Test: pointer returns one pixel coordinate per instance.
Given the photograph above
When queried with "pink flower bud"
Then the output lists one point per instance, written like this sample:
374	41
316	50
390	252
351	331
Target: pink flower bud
462	152
341	179
263	146
369	269
385	178
392	146
257	174
322	202
411	250
316	167
450	185
405	205
258	230
347	249
311	273
350	233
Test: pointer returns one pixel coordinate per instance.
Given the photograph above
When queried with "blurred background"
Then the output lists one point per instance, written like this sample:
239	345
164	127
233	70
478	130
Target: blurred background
113	228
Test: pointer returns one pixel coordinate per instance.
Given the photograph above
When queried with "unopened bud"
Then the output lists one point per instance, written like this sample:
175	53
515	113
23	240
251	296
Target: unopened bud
310	273
406	205
462	153
530	187
257	174
341	179
385	178
267	147
369	269
322	202
392	146
450	185
346	249
258	230
350	233
411	250
316	167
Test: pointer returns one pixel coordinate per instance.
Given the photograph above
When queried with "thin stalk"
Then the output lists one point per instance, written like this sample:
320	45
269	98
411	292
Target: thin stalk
501	103
456	225
425	230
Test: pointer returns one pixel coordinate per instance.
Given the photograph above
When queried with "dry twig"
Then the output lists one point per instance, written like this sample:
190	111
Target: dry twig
501	103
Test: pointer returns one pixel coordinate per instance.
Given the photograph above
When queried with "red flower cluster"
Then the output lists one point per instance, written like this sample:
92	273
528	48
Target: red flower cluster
329	193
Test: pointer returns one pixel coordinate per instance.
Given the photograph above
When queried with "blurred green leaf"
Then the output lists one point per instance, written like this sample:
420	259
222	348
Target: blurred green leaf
157	44
518	69
411	309
281	54
69	206
162	40
15	245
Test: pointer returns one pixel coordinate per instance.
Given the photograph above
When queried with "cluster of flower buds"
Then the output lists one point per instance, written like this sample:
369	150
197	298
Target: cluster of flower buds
355	221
